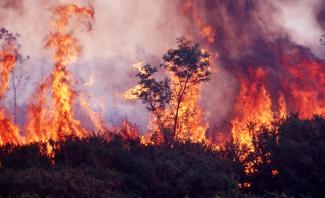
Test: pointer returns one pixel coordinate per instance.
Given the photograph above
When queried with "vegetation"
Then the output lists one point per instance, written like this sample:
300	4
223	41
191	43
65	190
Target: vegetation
96	167
187	65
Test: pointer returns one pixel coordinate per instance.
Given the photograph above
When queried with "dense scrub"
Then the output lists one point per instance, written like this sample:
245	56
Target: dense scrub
95	167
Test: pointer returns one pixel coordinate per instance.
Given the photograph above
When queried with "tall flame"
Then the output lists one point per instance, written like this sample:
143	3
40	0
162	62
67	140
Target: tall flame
190	125
59	121
306	85
9	132
253	104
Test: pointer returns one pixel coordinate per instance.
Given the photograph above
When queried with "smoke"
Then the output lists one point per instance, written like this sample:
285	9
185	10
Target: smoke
247	33
12	4
303	21
254	34
123	33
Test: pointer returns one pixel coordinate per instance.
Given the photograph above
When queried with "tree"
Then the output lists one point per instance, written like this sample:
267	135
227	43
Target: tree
185	66
155	94
18	77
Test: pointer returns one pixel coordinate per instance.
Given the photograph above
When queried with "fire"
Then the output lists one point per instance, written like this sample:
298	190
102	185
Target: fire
282	106
95	117
128	131
9	132
206	30
51	113
253	105
191	125
59	120
39	126
306	86
65	12
7	64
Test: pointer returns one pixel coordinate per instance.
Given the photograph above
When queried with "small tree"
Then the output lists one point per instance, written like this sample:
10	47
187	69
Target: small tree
187	65
19	77
155	94
19	80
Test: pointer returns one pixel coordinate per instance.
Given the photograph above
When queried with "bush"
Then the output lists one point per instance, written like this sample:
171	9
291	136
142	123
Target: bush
95	167
296	149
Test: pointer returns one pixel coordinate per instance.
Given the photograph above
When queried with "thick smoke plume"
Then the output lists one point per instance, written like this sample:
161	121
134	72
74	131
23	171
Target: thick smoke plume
275	37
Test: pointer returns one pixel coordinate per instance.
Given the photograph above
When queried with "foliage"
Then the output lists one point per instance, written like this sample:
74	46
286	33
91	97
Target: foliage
294	149
185	66
96	167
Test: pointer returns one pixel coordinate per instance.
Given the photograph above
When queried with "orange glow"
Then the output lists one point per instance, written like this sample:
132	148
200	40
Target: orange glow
306	86
9	132
206	30
253	105
96	118
7	64
190	125
46	121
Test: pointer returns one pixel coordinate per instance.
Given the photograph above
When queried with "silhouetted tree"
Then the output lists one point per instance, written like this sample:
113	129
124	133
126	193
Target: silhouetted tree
188	65
155	94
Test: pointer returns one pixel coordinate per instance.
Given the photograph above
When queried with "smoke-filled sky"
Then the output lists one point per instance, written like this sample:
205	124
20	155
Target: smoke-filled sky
125	32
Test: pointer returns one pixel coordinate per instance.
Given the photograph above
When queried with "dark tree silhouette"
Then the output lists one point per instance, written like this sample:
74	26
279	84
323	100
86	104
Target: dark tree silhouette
188	65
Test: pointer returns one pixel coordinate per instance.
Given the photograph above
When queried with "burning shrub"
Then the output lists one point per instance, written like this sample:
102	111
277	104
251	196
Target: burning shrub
289	157
174	101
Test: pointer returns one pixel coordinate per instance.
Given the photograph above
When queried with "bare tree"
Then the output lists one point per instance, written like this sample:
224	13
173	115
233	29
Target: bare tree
19	80
19	77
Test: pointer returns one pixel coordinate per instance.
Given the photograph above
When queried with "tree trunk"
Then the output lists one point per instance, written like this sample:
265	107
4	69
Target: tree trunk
179	100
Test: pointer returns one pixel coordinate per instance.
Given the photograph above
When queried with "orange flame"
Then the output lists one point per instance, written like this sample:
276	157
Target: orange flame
7	64
253	105
9	132
206	30
191	125
60	120
306	86
95	117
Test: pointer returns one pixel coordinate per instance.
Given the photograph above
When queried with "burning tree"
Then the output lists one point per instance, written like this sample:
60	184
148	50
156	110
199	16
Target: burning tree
9	132
171	100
